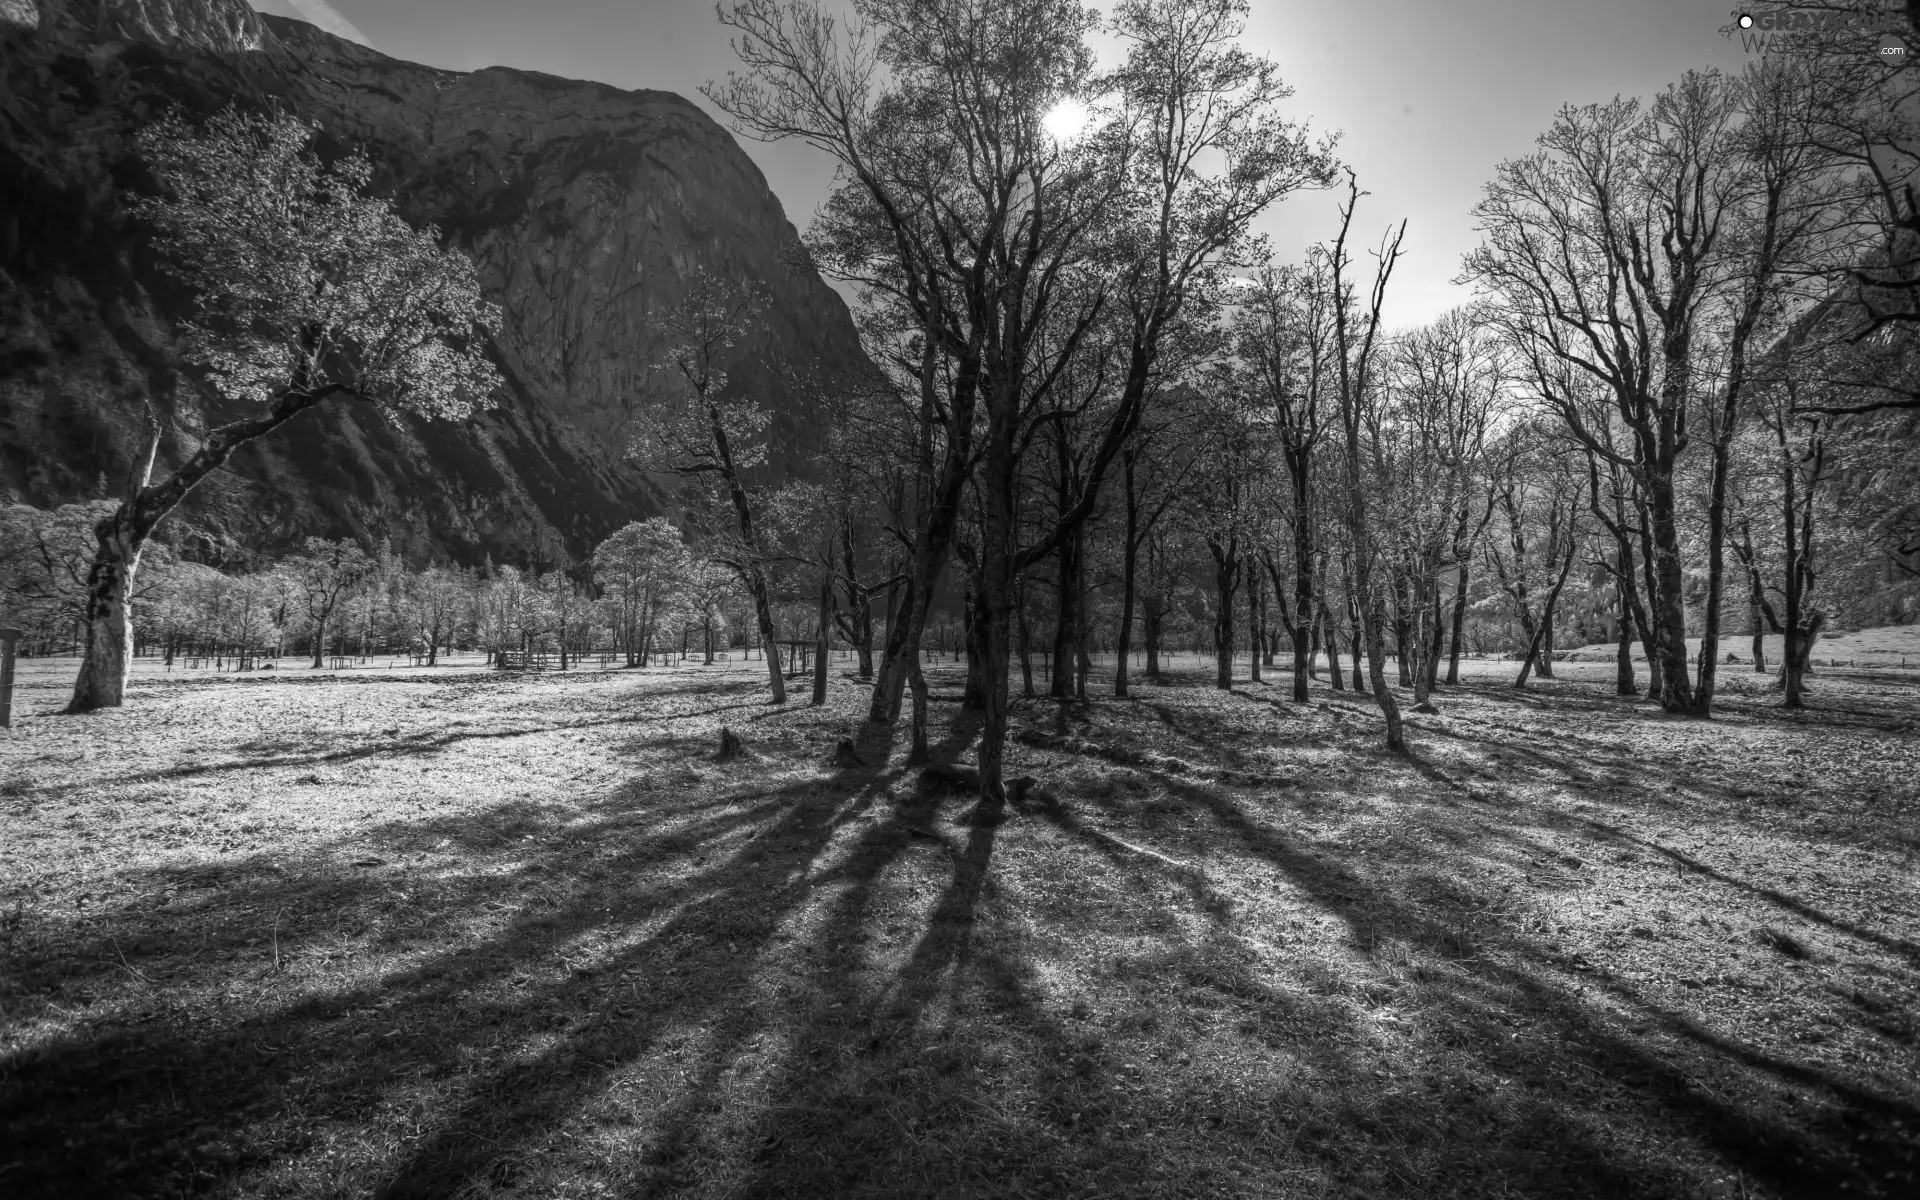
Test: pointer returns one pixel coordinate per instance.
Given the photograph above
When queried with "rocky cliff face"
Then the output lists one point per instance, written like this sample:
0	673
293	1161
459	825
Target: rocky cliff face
583	206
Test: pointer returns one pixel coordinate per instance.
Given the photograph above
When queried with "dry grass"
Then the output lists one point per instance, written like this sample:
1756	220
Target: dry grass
457	934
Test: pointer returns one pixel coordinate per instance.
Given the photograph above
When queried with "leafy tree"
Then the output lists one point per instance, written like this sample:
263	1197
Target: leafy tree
307	288
44	557
644	564
327	574
433	599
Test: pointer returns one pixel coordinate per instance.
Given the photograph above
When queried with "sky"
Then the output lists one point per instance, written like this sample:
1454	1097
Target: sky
1428	95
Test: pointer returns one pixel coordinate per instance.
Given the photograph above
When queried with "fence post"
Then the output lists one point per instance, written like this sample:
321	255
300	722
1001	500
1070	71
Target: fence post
7	639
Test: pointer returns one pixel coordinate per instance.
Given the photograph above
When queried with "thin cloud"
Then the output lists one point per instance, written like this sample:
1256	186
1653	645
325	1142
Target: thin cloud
324	16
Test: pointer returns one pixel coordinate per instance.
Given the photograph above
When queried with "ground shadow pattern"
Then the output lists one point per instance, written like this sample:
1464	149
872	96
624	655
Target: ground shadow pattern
1226	948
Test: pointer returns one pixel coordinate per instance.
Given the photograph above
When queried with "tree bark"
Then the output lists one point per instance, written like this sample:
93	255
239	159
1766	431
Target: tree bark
1082	662
1256	642
1402	636
919	751
108	640
1623	683
1427	670
1060	687
973	633
1026	650
1546	636
1355	642
1226	579
1669	611
763	615
1336	676
824	639
1459	628
1150	628
1129	555
997	562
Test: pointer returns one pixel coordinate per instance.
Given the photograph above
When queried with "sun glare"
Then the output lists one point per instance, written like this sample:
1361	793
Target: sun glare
1067	120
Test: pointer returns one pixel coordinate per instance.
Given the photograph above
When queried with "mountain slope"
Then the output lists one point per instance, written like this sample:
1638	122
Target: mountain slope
581	204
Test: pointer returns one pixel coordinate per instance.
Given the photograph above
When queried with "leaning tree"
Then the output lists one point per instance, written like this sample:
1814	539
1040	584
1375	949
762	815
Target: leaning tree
305	288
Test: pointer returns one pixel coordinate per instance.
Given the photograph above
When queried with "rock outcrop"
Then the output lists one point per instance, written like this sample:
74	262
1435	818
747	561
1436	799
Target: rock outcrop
583	206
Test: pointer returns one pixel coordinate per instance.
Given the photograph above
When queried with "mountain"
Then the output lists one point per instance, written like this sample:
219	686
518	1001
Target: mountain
581	204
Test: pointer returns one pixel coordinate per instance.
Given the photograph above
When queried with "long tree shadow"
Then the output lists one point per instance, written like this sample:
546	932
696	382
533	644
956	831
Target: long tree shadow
335	1049
1796	1160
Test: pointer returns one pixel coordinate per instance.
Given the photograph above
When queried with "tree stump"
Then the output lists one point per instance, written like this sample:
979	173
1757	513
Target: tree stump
730	746
844	754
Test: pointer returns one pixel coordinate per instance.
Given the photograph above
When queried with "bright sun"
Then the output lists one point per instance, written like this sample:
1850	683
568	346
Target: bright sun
1067	120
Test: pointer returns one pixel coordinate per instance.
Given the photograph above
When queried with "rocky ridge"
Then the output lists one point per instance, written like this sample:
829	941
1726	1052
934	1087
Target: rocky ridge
582	205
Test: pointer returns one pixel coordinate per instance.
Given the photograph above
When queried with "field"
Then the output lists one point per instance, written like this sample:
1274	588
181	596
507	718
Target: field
459	933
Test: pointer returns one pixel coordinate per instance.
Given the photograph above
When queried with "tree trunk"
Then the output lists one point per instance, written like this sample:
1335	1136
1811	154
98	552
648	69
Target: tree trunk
1668	605
1150	637
1373	621
1354	644
1546	641
905	632
1129	555
1254	624
973	633
1026	650
1060	686
1226	579
1644	625
763	615
1459	627
1795	665
1623	684
998	484
1304	583
859	603
823	641
1082	663
1337	676
1427	670
920	750
1793	656
1403	654
108	617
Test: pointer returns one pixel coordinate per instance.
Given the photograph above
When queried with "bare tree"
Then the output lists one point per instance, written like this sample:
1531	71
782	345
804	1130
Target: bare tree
967	214
1283	333
711	437
1356	336
1442	385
